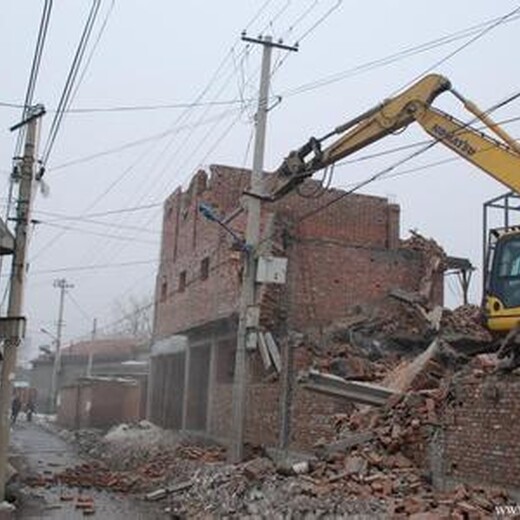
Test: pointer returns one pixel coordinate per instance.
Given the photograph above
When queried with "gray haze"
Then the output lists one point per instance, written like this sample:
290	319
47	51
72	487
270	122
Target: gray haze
165	52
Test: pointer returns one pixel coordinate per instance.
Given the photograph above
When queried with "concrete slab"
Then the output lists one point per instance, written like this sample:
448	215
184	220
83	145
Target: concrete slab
355	391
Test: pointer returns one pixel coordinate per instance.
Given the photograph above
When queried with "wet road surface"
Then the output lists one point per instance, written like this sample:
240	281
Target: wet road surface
40	451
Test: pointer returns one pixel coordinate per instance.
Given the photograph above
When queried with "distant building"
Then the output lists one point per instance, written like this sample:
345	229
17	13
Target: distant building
102	402
119	356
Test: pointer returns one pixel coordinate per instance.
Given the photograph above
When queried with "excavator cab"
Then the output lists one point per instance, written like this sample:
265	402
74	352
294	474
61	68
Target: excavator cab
502	280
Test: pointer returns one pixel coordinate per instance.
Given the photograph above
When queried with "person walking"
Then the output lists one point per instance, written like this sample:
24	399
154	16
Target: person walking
16	406
29	409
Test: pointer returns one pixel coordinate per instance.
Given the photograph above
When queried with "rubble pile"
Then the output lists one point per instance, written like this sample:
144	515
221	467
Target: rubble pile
382	347
350	362
100	475
385	320
428	247
465	320
434	260
256	489
382	454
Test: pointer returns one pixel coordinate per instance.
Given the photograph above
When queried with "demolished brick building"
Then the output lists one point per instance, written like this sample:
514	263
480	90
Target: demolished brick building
346	254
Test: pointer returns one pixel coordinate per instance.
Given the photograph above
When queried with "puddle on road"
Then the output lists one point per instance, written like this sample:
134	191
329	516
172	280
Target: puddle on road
44	454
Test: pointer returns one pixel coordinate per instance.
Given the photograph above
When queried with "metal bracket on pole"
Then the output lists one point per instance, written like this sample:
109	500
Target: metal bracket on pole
12	327
37	111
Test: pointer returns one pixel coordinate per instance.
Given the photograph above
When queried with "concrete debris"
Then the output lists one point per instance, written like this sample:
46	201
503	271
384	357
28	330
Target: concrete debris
258	468
434	258
374	469
341	445
404	375
161	493
355	391
399	354
465	324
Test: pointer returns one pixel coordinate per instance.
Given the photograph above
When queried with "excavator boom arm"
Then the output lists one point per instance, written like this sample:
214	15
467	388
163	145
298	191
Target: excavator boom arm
489	154
499	159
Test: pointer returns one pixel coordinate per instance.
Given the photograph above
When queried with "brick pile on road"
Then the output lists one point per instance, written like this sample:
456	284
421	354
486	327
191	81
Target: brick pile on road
257	489
374	468
136	474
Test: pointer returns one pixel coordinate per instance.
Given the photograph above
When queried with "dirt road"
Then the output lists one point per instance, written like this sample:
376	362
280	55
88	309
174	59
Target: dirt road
41	452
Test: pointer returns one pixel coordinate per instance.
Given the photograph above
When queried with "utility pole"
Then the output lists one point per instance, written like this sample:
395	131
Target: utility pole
90	354
17	280
248	313
62	285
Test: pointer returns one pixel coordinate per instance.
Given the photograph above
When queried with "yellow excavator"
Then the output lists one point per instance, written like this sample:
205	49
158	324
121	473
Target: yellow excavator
499	156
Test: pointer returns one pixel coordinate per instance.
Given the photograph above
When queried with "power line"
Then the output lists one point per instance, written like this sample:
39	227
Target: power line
69	90
35	69
11	105
167	164
185	115
459	49
394	57
79	308
62	217
93	50
123	210
199	98
94	267
320	20
138	108
392	167
310	30
139	142
142	156
98	234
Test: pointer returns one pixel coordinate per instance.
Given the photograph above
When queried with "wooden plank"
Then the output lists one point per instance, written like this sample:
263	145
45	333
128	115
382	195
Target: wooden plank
274	351
264	352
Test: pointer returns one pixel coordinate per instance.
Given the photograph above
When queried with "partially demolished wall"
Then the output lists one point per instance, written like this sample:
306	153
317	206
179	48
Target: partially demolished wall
480	442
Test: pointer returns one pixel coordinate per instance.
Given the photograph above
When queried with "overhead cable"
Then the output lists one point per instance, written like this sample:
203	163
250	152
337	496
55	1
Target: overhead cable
69	87
503	19
394	57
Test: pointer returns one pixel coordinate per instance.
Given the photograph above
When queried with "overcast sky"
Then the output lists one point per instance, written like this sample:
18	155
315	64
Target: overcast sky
352	55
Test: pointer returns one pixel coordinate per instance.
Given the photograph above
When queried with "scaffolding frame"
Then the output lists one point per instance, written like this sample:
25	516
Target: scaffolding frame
505	205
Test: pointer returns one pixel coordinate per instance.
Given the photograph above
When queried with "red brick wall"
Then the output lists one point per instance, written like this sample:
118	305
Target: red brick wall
312	415
345	254
188	238
69	414
326	278
114	403
481	440
99	404
220	419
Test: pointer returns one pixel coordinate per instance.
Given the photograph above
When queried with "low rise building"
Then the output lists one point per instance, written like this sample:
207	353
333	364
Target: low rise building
343	250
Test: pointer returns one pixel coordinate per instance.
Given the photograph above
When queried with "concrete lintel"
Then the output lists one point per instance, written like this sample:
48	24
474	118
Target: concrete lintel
355	391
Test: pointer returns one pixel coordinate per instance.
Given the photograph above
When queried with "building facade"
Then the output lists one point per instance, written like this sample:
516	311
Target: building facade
342	251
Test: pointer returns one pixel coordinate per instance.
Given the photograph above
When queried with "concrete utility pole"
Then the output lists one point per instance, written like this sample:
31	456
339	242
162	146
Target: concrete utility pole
17	280
90	354
62	285
248	312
